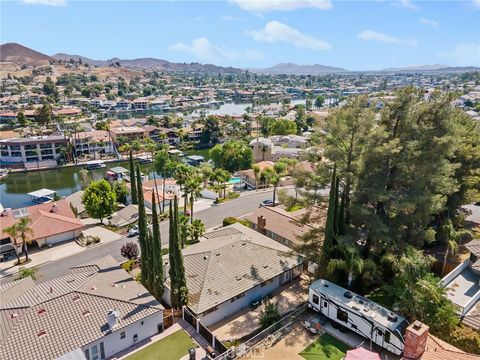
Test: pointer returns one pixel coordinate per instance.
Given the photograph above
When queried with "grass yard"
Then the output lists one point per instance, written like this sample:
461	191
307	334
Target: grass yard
173	347
326	347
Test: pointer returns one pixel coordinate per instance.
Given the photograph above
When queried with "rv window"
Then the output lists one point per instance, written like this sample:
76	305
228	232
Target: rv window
379	332
324	304
342	315
387	336
315	299
354	326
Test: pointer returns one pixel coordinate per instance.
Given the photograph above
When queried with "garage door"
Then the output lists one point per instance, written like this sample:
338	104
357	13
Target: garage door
55	239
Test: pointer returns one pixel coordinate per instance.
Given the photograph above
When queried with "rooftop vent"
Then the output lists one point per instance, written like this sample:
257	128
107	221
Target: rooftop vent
325	285
41	311
93	288
76	298
86	313
114	285
217	254
392	317
348	294
205	257
41	333
14	315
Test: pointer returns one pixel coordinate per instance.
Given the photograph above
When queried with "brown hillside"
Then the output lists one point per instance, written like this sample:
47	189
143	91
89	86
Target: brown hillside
21	55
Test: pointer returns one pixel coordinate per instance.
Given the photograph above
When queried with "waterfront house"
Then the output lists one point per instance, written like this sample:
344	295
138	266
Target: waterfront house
92	142
51	223
129	132
232	268
93	313
32	150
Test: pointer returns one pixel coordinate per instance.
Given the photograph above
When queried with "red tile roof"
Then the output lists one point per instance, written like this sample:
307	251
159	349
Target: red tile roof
45	220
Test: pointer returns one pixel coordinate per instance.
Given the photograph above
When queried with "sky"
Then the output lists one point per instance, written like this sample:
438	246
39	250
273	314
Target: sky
356	35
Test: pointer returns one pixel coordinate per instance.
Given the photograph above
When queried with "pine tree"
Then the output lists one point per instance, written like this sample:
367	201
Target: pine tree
341	215
133	185
143	232
157	262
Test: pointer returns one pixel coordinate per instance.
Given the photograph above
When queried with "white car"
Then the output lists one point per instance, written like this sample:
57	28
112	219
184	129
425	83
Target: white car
133	231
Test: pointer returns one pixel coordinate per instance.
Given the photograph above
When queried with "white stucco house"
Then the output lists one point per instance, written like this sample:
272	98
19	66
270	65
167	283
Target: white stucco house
231	268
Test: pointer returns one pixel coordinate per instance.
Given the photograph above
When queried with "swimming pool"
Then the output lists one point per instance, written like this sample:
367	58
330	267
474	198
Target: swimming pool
234	180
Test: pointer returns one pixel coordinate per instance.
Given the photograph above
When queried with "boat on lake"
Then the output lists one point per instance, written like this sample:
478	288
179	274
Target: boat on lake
3	173
95	164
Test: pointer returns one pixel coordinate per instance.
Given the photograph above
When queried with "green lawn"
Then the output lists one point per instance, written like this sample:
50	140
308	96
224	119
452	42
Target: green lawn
173	347
326	347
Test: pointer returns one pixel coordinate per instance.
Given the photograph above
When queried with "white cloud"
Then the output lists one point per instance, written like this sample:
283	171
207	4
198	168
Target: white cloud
430	22
465	54
370	35
45	2
407	4
276	31
260	6
476	4
204	50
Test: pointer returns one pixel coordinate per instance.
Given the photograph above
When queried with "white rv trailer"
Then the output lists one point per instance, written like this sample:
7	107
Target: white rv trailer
358	314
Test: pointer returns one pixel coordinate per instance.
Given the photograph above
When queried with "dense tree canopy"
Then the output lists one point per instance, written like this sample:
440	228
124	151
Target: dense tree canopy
232	156
99	199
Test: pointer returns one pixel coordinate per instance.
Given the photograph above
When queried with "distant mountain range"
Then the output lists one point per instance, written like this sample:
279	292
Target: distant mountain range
295	69
20	55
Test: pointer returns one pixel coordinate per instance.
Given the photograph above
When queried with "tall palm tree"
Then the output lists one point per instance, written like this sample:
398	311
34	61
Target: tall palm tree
256	173
194	186
24	230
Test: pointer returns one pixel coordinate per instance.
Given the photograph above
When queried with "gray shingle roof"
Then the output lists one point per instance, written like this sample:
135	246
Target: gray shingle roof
233	260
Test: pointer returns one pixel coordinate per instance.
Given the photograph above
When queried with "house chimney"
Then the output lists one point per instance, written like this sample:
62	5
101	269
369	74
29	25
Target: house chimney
54	208
112	318
261	223
415	340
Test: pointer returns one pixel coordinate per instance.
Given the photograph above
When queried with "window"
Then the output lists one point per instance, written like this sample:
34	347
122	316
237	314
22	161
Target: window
325	304
354	326
387	337
14	147
315	299
94	355
215	308
122	335
16	154
379	332
4	153
342	315
237	297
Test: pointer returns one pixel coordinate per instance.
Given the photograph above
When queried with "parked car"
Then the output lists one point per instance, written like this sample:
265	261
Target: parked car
266	203
133	231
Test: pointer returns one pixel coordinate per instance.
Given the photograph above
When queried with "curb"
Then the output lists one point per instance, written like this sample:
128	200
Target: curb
16	272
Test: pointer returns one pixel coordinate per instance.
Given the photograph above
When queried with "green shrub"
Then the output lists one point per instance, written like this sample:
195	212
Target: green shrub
270	315
26	272
465	339
229	220
128	265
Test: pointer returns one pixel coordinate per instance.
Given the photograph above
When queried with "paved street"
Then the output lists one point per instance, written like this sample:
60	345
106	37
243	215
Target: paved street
211	217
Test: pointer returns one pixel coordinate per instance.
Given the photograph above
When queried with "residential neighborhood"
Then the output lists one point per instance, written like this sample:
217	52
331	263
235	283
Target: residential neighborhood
241	179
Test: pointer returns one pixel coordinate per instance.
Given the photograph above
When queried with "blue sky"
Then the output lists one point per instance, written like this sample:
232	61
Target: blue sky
357	35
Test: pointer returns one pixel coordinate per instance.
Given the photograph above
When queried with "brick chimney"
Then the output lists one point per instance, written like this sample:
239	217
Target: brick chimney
415	340
261	223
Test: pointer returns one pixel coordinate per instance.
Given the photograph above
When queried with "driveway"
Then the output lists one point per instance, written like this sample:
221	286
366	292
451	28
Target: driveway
105	235
287	298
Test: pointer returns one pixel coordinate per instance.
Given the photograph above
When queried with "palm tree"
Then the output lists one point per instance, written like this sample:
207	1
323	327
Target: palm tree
256	172
351	263
451	249
274	175
12	231
20	230
194	186
196	229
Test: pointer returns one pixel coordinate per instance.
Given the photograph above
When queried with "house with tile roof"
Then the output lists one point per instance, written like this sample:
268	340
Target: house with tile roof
51	223
94	312
232	268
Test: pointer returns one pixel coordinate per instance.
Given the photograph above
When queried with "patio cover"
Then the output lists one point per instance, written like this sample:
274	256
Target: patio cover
41	193
361	354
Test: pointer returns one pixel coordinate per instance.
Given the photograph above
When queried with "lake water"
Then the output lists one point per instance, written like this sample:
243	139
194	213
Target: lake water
65	181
